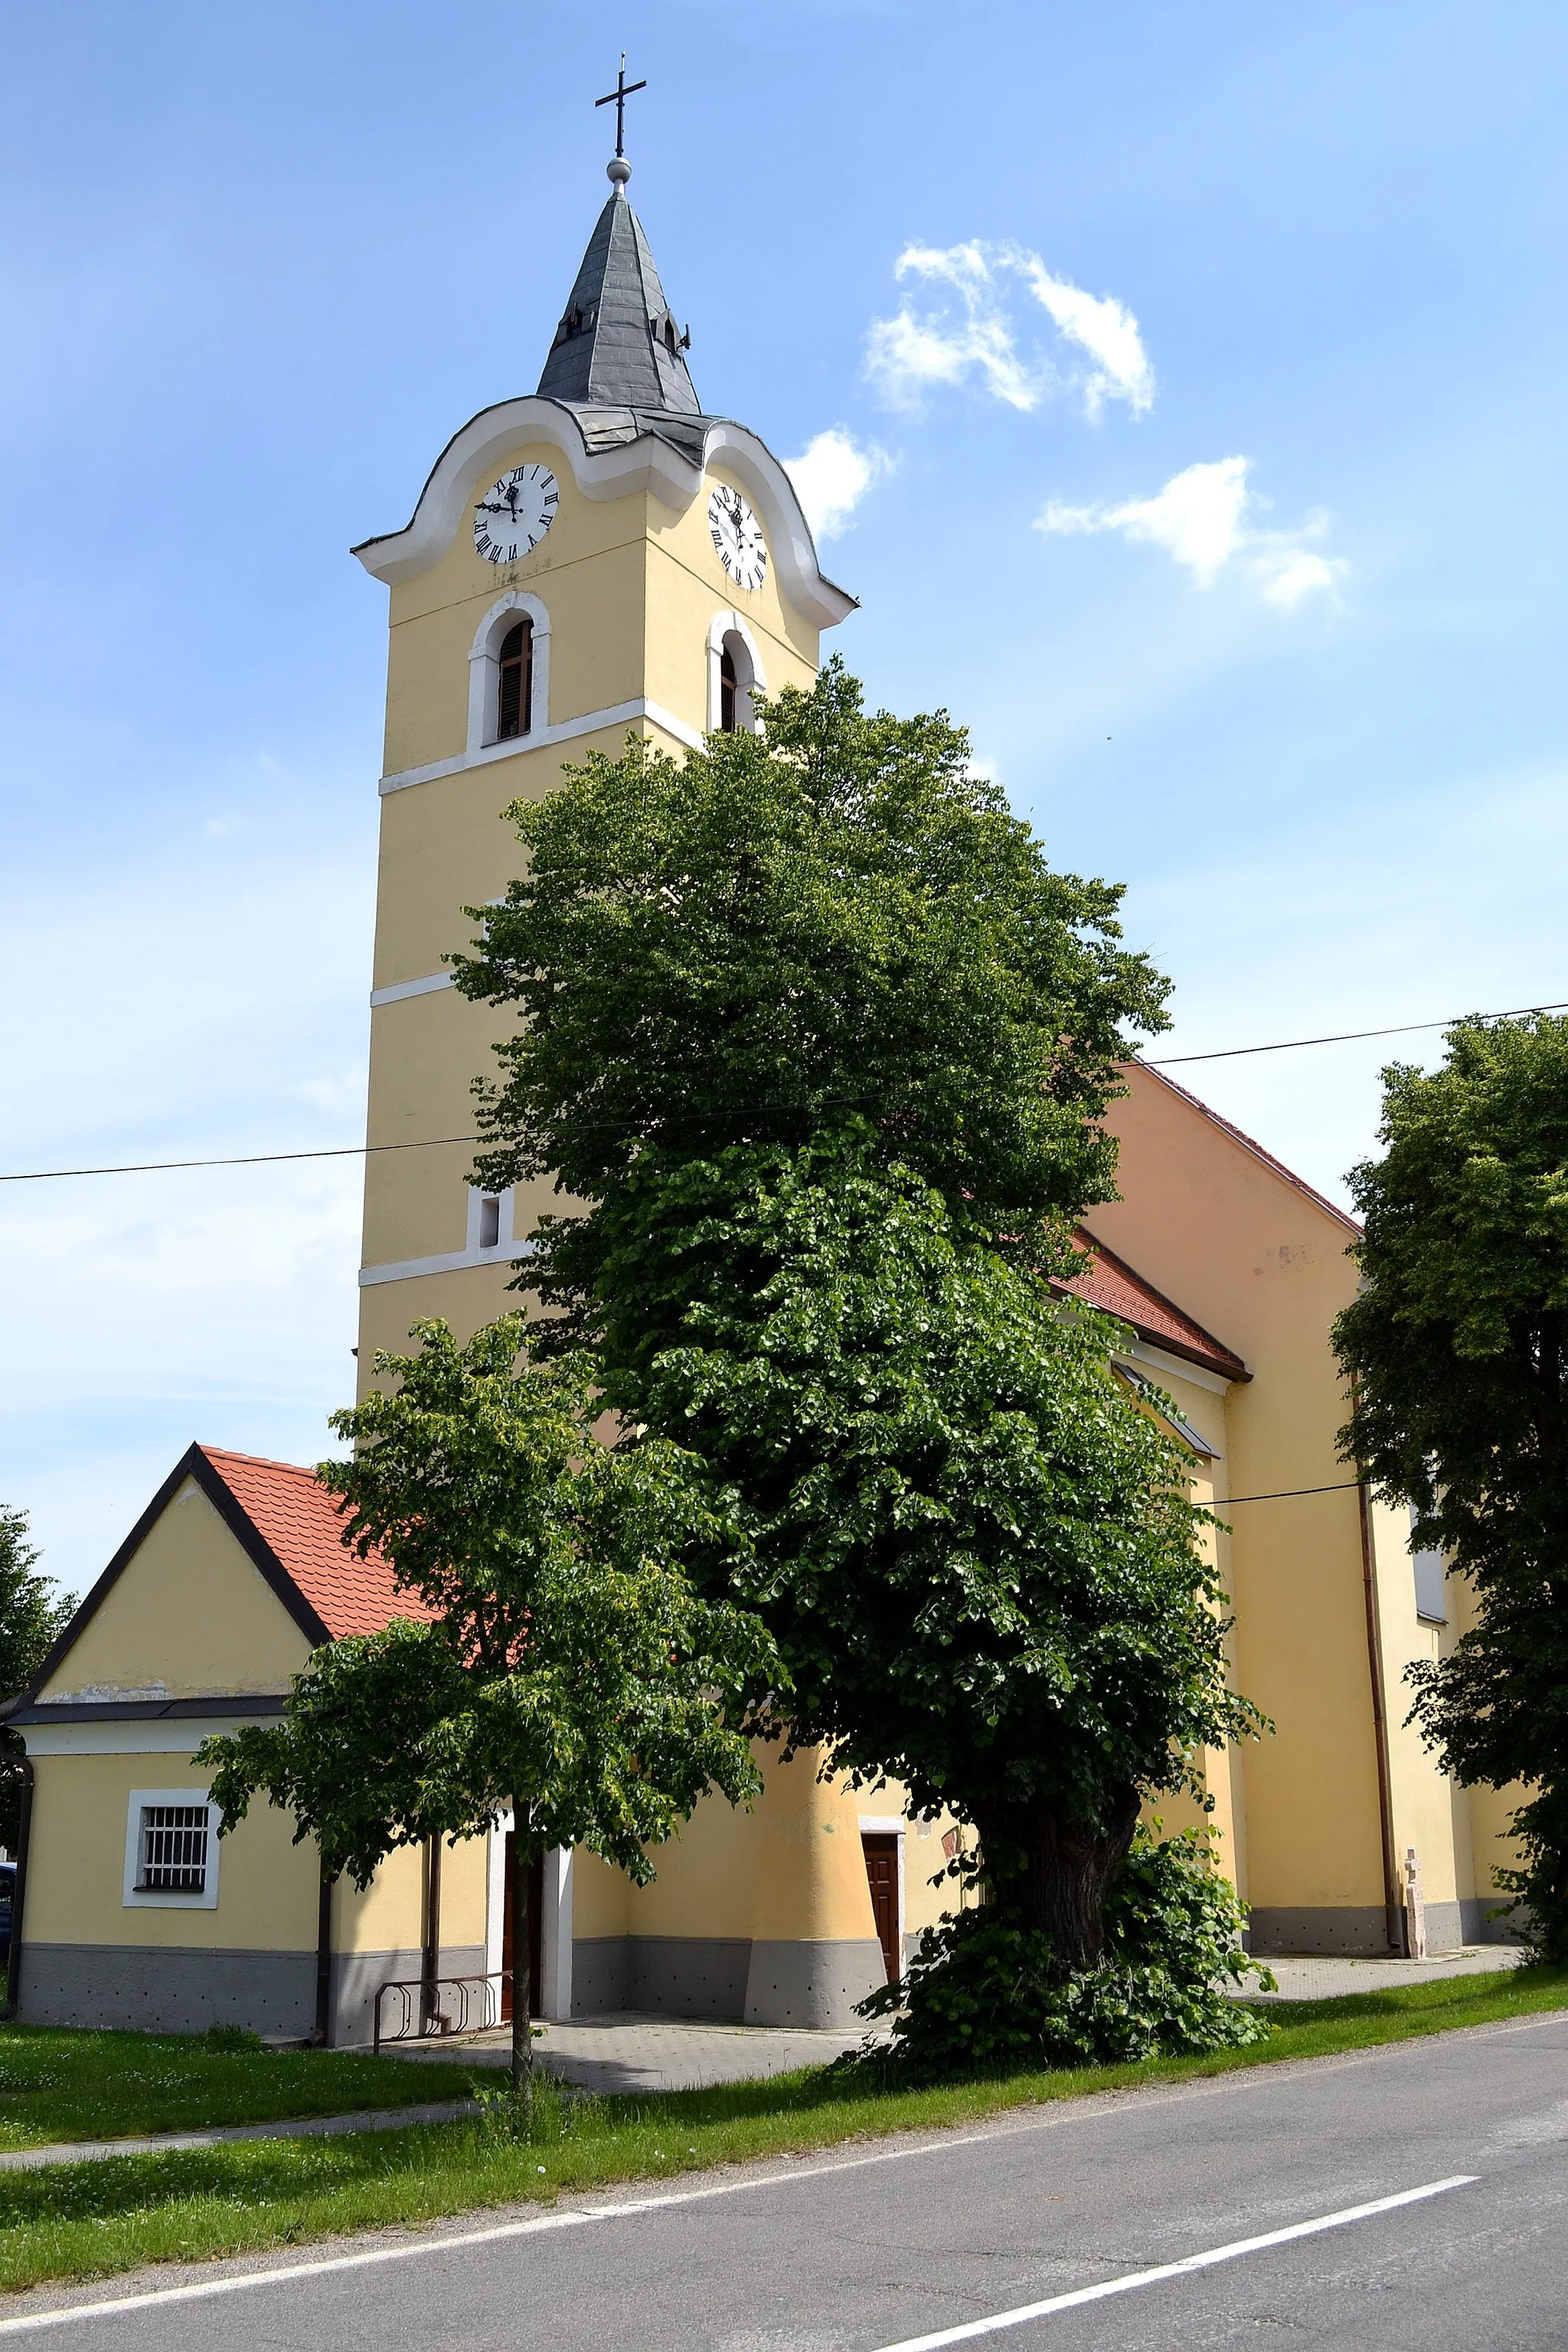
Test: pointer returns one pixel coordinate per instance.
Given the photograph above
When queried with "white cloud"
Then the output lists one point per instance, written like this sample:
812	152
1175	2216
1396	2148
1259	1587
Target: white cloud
976	337
1292	575
832	475
1201	520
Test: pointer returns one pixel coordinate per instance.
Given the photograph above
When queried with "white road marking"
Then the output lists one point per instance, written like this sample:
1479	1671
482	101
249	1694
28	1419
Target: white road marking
627	2209
1131	2280
1056	2116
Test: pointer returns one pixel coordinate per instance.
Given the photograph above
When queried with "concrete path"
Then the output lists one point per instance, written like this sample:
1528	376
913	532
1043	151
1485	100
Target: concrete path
1302	1977
89	2151
1410	2198
629	2052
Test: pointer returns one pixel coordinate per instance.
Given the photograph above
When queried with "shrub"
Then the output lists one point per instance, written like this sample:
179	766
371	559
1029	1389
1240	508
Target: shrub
984	1995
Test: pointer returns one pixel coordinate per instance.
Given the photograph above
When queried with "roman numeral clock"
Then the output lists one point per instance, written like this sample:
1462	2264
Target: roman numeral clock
738	536
514	514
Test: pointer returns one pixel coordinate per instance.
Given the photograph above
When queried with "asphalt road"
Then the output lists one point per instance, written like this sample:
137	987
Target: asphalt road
923	2241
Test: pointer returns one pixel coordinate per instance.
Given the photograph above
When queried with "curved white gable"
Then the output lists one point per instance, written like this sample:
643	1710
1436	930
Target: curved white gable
645	462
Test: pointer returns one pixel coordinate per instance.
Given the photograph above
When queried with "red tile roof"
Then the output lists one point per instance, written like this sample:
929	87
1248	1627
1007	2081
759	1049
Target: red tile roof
302	1525
1109	1282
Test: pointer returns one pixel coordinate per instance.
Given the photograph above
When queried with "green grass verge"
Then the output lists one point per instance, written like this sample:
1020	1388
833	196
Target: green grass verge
58	2085
91	2220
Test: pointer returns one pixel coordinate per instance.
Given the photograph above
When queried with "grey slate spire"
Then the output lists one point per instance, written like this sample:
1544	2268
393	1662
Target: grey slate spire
617	345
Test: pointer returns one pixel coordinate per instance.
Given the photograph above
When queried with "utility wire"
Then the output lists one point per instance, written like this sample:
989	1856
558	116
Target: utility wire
1343	1037
439	1143
1222	1502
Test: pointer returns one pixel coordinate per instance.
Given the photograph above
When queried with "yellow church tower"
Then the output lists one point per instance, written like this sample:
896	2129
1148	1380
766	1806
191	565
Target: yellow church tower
596	560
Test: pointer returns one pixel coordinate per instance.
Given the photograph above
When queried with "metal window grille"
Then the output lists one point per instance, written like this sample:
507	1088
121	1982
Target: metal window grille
174	1849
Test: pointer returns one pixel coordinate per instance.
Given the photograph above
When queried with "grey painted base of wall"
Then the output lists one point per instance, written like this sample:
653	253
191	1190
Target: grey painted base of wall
167	1989
812	1983
726	1979
184	1989
1363	1933
357	1977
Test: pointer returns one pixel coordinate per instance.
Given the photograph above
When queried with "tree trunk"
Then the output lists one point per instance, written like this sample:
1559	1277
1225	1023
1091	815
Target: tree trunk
522	2022
1054	1874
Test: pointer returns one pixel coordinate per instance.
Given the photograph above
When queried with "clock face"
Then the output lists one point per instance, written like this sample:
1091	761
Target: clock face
738	536
515	513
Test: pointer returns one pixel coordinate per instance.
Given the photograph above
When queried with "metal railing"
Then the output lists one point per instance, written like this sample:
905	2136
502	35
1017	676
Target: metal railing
440	2008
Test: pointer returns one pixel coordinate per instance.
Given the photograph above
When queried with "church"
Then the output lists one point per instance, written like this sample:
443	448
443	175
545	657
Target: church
599	559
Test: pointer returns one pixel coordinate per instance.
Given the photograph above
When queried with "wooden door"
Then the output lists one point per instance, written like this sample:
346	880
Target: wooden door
535	1935
882	1876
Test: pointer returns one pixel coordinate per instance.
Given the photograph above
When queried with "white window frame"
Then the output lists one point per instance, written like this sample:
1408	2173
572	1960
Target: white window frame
484	671
733	625
135	1898
1429	1572
503	1246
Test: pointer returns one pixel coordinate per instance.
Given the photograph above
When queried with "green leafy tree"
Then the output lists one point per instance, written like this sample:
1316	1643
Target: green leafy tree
32	1619
1457	1349
568	1671
977	1554
782	932
983	1995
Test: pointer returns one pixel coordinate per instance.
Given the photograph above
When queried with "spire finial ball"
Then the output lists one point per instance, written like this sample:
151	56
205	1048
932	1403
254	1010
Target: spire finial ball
619	170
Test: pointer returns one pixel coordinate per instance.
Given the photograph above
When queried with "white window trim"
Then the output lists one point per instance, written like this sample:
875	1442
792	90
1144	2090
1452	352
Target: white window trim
1430	1575
733	624
484	671
503	1246
133	1898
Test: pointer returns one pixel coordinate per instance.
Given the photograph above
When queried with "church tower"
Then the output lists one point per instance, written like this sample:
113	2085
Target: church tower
596	560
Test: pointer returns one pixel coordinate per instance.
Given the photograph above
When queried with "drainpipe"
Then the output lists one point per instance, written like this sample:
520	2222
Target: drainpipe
431	1969
322	2034
1393	1905
18	1896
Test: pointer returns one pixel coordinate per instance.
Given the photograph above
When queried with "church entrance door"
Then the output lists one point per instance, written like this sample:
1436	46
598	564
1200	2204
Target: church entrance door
881	1853
535	1935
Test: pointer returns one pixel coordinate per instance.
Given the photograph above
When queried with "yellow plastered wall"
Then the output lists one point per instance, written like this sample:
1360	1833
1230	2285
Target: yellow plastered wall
1221	1771
268	1886
1488	1812
791	1867
1263	1267
189	1613
1430	1813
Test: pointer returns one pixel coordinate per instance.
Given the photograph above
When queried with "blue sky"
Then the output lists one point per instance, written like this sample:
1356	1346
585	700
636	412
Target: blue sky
1201	375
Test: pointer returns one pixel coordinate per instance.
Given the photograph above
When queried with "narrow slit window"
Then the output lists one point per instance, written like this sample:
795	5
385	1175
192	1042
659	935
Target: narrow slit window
490	1223
514	703
173	1855
728	688
1431	1573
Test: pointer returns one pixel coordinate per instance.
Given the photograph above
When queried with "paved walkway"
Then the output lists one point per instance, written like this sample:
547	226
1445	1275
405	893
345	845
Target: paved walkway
629	2051
632	2053
89	2151
1303	1977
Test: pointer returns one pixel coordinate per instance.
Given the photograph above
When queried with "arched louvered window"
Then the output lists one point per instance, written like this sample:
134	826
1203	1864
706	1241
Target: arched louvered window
514	699
728	687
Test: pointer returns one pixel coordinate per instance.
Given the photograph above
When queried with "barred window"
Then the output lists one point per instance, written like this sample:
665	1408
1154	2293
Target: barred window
174	1849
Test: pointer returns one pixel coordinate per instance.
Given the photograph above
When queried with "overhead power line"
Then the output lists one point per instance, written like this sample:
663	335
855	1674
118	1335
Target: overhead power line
441	1142
1342	1037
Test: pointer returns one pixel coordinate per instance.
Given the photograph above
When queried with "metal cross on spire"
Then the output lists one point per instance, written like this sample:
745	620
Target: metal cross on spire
618	99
